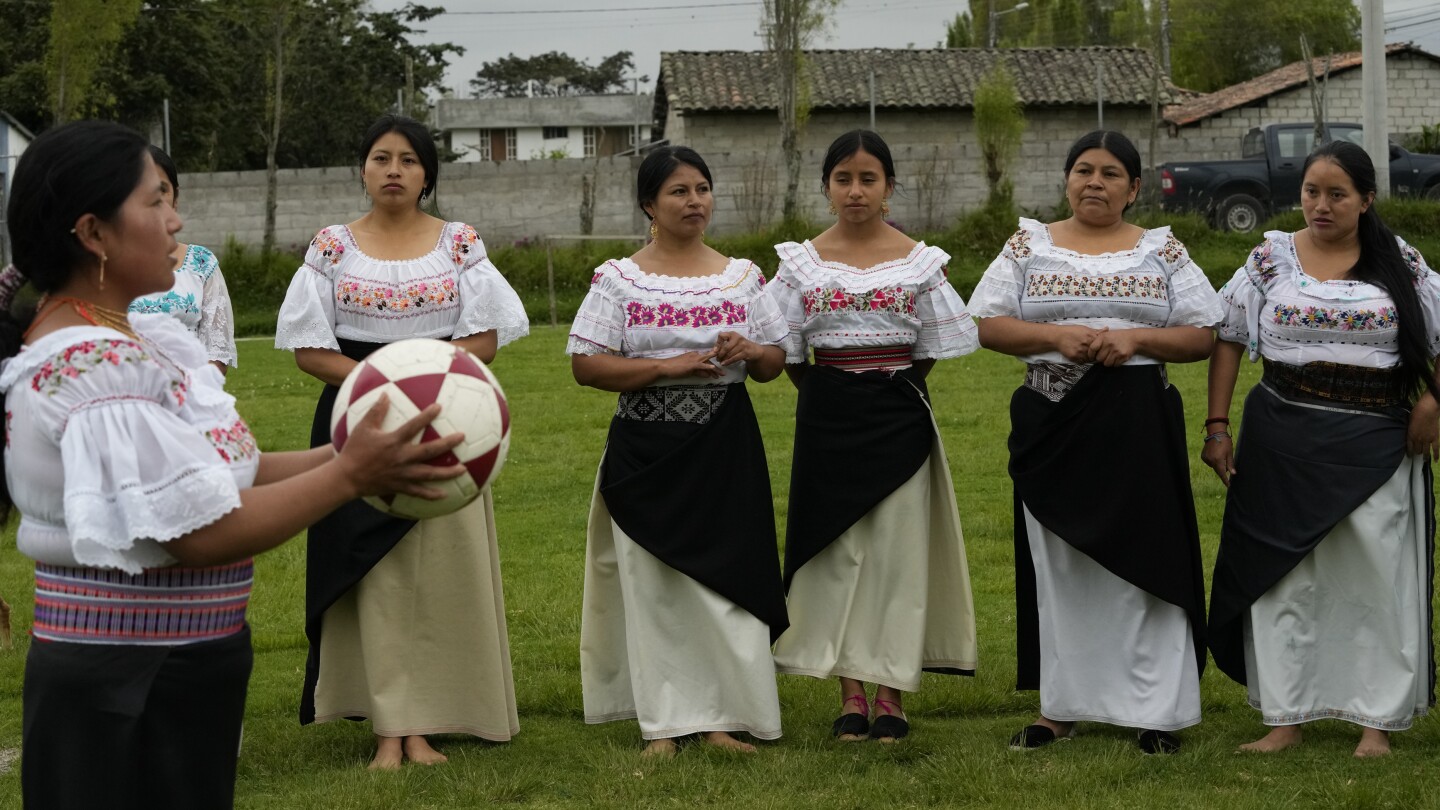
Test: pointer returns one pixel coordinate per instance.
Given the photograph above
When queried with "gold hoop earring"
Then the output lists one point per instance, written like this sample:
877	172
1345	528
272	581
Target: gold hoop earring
884	208
654	231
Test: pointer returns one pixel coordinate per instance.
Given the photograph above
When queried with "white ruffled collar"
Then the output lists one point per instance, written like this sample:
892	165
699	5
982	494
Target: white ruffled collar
1151	239
919	263
627	271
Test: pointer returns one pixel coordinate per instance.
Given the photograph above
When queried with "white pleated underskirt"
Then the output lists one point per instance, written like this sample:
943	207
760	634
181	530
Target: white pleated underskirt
1346	633
889	597
660	648
1109	651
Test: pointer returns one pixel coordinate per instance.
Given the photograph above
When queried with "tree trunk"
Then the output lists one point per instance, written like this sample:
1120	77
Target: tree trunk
273	144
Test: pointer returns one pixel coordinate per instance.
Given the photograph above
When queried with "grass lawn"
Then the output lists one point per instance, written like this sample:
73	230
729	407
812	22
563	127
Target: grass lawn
956	757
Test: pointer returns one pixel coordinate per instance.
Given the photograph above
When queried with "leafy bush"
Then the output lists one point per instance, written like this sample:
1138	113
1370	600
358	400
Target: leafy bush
257	285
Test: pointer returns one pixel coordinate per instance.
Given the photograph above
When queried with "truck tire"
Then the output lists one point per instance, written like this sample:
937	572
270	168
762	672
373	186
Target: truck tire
1433	192
1240	213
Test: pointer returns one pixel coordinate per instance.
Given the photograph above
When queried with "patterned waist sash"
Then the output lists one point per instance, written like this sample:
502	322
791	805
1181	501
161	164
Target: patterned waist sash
1334	382
1054	380
159	606
865	358
672	403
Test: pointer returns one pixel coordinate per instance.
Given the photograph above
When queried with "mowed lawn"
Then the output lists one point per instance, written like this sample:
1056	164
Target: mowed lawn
957	755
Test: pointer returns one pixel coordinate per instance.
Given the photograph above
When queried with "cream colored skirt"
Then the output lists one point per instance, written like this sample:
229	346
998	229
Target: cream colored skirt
419	645
1346	634
660	648
890	596
1109	651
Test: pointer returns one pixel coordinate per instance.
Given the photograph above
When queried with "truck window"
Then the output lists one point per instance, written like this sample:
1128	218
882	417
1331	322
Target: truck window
1354	135
1253	144
1294	143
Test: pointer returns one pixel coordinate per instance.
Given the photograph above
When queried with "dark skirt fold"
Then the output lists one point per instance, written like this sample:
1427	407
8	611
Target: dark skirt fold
697	496
858	438
1106	468
341	547
1300	470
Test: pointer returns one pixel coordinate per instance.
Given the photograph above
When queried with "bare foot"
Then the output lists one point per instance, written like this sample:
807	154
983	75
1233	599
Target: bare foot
660	749
1373	743
387	754
418	750
720	739
1279	738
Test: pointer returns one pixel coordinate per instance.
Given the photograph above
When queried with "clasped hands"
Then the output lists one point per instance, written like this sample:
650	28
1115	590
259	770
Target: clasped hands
1082	344
730	348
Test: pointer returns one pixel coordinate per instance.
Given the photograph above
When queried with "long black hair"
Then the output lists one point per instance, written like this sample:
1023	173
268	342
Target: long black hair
420	140
657	167
85	167
167	165
1382	264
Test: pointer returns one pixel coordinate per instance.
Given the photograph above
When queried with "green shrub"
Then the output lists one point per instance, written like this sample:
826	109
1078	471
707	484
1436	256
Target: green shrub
257	285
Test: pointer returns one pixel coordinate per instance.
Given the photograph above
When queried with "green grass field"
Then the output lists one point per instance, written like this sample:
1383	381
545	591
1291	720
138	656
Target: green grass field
956	757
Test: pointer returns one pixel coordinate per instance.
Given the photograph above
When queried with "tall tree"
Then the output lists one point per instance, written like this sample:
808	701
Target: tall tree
960	32
552	74
83	34
790	26
1258	37
999	123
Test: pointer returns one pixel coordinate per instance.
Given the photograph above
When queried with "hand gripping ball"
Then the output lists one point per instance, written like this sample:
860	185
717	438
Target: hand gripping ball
415	373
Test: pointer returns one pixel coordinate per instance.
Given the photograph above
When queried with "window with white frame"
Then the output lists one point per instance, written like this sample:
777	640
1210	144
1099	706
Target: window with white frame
484	145
590	141
554	133
510	144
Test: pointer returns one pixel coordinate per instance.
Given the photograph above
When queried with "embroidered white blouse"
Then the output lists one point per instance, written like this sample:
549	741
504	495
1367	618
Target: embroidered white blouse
1280	312
451	292
636	314
908	301
114	446
201	301
1153	284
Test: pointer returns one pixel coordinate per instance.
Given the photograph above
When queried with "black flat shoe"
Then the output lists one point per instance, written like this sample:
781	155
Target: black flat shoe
1158	742
1035	736
850	727
888	728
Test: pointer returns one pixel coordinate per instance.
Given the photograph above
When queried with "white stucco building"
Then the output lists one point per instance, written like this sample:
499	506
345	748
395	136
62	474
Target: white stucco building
501	129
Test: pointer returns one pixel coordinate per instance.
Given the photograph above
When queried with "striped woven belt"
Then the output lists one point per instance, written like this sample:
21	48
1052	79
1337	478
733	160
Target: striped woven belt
159	606
671	403
1335	382
866	358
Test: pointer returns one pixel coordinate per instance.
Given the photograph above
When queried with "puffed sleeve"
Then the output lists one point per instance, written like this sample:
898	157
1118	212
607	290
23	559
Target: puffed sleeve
216	329
599	326
1243	297
1193	301
999	290
763	318
946	328
1427	288
487	301
784	291
136	474
307	318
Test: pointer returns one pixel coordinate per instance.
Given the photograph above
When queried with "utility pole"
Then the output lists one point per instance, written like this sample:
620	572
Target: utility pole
1372	78
1165	36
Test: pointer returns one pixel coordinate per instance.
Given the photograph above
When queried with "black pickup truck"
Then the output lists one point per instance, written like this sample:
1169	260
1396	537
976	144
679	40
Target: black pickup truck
1238	195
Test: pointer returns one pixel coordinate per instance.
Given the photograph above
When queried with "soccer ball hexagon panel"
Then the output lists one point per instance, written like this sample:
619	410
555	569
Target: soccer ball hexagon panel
415	373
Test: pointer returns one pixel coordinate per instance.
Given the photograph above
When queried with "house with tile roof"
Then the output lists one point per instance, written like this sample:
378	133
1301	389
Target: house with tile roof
1211	126
725	102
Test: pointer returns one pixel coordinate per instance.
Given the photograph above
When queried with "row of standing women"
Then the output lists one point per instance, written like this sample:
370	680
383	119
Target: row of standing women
144	488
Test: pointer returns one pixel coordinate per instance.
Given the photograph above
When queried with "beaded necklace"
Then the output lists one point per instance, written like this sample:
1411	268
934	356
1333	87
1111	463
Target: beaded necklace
89	311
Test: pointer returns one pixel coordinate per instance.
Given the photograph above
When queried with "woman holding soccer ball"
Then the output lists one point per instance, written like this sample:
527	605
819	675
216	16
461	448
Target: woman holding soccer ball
142	494
372	580
681	604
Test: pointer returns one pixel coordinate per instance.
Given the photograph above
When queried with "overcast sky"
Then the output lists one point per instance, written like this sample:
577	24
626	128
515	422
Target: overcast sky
593	29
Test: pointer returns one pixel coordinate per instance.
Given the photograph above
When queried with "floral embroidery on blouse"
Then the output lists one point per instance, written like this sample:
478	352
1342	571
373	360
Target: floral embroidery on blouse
234	443
464	238
727	313
897	300
1041	285
82	357
9	415
178	392
1173	250
330	245
169	302
416	295
1264	262
1345	320
1019	244
1413	261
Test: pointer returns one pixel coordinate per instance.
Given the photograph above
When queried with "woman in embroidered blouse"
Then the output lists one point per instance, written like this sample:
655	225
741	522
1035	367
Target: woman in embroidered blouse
680	605
141	492
398	273
1322	587
1109	599
199	297
874	556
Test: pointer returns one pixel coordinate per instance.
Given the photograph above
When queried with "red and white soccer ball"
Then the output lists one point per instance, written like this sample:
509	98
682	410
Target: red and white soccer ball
415	373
